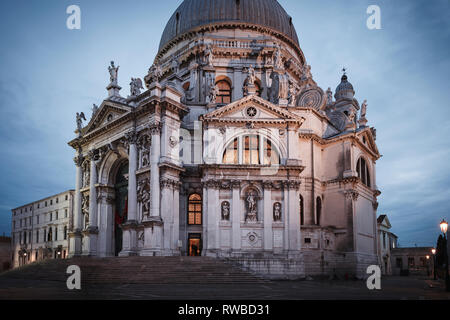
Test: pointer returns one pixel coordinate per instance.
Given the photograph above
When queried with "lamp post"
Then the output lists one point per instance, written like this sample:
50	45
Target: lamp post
428	265
433	251
444	227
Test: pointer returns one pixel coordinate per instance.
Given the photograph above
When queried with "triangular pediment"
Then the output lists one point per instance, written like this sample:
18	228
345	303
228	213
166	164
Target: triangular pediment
367	138
384	221
252	109
107	113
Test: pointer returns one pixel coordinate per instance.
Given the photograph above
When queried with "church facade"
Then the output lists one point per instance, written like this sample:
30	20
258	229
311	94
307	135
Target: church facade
232	150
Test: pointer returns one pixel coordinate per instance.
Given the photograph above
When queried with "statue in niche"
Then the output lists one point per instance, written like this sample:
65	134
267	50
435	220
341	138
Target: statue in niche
226	211
86	175
113	73
135	87
85	210
277	212
175	65
154	74
143	194
252	213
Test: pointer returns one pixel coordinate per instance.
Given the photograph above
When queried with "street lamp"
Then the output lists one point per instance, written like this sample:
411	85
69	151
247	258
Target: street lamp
428	265
444	228
433	251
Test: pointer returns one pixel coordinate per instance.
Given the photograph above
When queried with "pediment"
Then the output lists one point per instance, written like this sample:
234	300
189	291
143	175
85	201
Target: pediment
385	222
252	109
367	139
107	113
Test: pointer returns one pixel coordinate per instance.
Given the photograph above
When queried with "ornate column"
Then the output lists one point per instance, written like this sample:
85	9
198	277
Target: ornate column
293	217
75	234
236	216
268	217
129	243
91	233
154	171
350	197
153	224
212	211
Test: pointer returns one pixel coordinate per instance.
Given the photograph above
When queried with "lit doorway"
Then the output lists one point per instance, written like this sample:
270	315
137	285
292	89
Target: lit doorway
195	244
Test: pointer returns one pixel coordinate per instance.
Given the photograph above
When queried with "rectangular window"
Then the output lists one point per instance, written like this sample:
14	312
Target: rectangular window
51	216
384	240
37	236
57	200
56	215
37	219
56	233
65	213
307	240
251	150
45	203
411	262
67	197
195	210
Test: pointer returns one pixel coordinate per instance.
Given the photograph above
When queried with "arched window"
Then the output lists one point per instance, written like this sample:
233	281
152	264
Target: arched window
363	171
302	212
224	95
256	150
195	209
231	155
318	210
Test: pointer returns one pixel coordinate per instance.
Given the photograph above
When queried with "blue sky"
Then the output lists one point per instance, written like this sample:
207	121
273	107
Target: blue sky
48	73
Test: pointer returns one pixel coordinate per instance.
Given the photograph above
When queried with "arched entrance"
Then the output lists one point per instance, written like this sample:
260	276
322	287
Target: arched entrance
121	205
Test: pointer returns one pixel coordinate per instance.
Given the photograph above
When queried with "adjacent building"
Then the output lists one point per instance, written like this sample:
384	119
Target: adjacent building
5	253
386	242
412	261
40	229
232	151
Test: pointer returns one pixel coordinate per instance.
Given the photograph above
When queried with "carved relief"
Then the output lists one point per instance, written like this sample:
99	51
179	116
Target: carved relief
86	174
226	211
312	98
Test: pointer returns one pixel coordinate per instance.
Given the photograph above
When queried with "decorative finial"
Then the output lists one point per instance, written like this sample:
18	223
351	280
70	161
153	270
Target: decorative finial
344	70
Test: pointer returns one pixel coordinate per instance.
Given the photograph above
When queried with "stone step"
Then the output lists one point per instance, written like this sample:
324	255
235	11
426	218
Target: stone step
145	270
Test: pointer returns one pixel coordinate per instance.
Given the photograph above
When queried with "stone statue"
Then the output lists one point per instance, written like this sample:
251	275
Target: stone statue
135	86
143	194
94	109
213	93
85	210
364	109
154	74
209	56
80	118
113	72
306	70
174	65
252	207
329	97
277	212
226	211
278	60
291	94
251	76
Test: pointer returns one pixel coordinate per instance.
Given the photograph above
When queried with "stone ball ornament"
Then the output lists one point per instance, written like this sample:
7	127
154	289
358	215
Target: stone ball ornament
312	98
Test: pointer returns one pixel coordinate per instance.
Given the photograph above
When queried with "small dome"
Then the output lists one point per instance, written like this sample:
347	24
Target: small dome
196	13
344	89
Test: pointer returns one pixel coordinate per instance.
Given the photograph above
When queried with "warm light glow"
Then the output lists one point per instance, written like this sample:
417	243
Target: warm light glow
444	226
433	251
428	257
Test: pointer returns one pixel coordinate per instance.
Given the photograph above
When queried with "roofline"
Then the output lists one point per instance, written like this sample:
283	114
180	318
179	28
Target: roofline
43	199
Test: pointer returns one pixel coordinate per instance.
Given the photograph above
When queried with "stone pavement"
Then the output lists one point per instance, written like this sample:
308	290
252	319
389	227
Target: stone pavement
191	279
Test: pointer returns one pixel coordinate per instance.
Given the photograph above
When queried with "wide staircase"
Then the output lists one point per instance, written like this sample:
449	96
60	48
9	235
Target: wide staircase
138	270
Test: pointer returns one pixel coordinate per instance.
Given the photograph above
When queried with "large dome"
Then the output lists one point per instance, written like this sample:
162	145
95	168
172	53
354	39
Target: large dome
192	14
